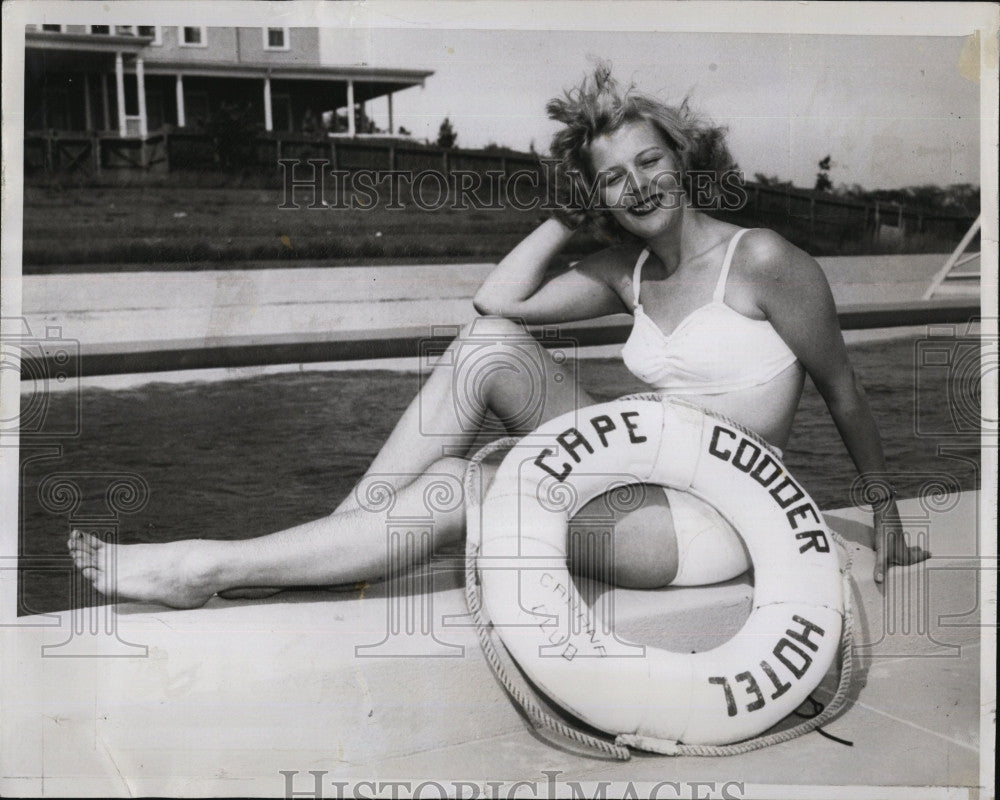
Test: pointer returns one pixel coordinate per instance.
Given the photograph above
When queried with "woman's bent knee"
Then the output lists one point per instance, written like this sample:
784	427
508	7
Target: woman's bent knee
637	550
489	326
683	543
645	555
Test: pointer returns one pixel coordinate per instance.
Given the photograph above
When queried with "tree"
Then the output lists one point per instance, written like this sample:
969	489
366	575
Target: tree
962	196
823	182
771	180
362	123
446	135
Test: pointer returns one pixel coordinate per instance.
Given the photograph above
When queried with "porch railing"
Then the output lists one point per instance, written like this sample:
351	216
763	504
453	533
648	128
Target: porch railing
93	153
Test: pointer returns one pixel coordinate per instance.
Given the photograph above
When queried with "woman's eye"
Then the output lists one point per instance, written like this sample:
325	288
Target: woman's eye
614	178
651	162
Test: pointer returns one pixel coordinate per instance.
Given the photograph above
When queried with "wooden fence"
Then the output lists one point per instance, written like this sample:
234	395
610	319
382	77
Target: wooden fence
835	219
93	153
802	215
90	154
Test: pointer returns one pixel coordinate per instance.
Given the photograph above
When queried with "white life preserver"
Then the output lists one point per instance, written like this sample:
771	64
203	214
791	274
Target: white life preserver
723	695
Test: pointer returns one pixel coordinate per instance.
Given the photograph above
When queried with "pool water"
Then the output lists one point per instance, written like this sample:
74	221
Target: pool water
241	458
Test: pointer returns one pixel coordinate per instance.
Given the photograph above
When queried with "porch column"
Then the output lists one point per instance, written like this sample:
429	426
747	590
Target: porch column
268	119
105	102
351	125
392	128
120	93
140	79
88	118
179	90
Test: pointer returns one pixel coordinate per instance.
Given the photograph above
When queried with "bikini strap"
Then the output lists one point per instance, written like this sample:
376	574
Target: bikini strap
720	287
637	276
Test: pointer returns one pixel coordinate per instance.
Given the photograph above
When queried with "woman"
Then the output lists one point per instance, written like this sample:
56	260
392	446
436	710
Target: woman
730	319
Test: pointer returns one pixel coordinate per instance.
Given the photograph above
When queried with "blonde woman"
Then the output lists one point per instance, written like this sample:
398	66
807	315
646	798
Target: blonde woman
727	318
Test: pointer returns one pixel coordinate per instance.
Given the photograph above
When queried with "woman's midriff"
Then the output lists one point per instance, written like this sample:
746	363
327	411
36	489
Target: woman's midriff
643	548
767	410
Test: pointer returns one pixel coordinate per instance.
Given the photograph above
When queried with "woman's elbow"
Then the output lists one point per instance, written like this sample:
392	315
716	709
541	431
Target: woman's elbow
486	307
488	304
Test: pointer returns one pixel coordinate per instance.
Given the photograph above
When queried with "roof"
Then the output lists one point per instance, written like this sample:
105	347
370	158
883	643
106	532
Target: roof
85	42
105	43
290	71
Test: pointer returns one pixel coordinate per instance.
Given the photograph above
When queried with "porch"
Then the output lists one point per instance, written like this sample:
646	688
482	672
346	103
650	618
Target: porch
100	103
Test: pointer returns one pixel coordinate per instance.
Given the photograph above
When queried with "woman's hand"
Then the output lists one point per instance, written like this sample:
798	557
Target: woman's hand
891	549
564	194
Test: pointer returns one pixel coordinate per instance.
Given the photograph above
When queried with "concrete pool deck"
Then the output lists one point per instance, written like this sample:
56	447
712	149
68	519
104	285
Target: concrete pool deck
219	700
200	318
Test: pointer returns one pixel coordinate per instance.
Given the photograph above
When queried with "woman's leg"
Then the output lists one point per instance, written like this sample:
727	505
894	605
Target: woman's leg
338	549
494	366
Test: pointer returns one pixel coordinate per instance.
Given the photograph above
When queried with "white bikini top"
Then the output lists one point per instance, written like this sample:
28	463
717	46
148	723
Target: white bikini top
714	349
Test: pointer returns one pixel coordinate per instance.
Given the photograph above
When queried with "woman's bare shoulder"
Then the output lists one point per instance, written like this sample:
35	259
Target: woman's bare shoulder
777	269
763	244
766	254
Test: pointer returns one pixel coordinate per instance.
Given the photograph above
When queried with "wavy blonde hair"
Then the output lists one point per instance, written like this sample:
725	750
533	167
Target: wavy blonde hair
598	106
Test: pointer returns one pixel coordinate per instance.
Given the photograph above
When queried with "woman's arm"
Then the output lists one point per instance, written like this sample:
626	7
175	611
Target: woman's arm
793	292
517	287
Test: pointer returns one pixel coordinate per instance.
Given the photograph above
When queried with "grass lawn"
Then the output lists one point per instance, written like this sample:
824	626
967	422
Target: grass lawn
165	227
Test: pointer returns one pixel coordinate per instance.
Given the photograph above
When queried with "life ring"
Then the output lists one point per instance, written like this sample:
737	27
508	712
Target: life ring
719	696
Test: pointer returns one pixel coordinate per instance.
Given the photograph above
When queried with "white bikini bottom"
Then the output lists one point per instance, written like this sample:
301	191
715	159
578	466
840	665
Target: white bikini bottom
708	548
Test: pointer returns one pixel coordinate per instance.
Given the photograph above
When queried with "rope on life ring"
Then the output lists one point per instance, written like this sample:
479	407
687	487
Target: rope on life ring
661	705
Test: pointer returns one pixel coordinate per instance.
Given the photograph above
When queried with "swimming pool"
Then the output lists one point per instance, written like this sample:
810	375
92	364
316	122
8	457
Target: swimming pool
241	458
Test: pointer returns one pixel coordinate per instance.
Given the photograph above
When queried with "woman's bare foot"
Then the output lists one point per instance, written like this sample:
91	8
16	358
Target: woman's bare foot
176	574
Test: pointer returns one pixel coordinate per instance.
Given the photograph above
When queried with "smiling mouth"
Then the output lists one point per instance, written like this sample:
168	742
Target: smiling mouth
646	207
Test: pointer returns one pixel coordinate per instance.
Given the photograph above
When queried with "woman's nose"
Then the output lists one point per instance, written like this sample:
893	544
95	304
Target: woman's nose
640	182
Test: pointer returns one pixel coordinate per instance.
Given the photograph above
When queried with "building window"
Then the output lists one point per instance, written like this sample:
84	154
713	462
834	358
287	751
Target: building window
53	28
124	30
193	36
102	30
150	30
276	38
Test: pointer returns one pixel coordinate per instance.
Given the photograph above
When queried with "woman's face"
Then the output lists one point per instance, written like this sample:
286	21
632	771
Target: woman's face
639	176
